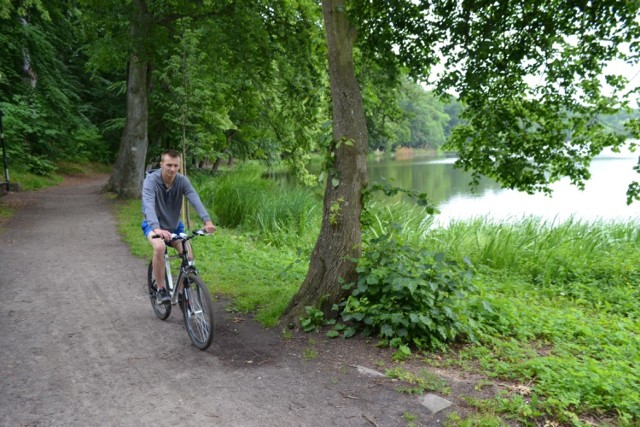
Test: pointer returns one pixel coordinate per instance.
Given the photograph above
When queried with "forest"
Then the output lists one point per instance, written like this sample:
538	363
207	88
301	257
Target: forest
248	83
61	101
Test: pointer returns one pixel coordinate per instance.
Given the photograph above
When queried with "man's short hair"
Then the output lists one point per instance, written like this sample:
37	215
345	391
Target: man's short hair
171	153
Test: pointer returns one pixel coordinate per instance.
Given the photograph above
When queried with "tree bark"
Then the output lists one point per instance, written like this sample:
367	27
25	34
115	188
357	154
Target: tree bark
332	261
128	171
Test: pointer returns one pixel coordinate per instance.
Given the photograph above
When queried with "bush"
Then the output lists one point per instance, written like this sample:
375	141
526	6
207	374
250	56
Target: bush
40	166
409	296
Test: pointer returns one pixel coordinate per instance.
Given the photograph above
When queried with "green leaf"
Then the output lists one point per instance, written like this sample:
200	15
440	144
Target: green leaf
349	332
386	330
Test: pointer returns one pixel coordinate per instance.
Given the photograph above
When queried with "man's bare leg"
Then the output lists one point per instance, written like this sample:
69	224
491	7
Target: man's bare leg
157	260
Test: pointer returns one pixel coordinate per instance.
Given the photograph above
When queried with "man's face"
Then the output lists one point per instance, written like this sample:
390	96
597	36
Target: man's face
170	166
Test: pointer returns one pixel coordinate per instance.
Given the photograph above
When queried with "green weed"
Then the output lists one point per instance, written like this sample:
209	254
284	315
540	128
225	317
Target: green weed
310	352
313	320
420	382
410	418
480	420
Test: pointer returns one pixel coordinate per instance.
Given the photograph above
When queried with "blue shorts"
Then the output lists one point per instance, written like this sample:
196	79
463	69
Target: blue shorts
146	228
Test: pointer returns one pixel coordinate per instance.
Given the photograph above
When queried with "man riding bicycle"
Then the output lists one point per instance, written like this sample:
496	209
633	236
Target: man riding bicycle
162	193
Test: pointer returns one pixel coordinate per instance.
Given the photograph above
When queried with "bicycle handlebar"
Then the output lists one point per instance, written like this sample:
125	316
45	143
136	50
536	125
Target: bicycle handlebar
184	236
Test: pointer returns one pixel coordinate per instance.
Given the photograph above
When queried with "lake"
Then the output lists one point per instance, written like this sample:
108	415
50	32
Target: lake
604	196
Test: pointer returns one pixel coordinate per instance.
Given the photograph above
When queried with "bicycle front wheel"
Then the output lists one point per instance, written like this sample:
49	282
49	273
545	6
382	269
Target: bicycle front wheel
161	310
197	308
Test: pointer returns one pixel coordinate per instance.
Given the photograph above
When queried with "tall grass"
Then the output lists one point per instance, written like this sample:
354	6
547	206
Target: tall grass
566	259
245	200
409	221
563	312
533	241
295	216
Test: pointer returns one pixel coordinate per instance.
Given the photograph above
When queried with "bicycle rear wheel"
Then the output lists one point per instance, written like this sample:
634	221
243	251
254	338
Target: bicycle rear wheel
197	309
161	310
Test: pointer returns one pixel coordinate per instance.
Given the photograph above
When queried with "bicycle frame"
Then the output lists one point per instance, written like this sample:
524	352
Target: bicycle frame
186	266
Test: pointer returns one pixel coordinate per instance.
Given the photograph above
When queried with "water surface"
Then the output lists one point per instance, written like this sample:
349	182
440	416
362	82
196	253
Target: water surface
604	196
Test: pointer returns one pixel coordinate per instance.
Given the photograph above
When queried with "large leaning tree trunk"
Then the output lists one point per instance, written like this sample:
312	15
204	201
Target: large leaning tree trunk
128	171
339	243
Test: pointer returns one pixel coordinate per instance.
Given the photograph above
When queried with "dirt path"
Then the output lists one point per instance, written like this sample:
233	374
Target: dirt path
80	345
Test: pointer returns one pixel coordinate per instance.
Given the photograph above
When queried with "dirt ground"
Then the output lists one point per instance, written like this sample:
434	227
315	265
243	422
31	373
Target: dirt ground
80	345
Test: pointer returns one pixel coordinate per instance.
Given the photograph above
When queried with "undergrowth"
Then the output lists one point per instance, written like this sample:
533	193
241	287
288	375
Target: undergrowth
563	314
551	307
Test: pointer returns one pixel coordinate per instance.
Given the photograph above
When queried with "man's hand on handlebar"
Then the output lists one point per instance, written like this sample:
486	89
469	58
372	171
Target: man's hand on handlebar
209	227
159	232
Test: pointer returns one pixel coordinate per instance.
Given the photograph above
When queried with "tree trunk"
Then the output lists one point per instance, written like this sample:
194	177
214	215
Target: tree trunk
216	165
340	238
128	171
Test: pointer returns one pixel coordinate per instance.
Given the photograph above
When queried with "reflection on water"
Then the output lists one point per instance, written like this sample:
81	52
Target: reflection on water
604	196
435	177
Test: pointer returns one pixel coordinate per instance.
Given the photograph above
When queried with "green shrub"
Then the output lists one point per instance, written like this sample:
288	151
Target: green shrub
409	296
40	166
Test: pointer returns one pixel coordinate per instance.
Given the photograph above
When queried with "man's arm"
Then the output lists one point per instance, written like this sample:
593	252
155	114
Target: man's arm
149	203
193	198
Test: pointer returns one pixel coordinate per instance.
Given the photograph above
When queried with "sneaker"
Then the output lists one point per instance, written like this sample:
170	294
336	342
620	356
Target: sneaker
162	297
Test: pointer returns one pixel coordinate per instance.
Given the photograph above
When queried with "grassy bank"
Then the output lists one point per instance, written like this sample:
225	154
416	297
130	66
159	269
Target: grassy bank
563	316
258	276
553	306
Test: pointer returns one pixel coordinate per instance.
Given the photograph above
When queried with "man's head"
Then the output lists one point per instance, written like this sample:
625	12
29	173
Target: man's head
170	164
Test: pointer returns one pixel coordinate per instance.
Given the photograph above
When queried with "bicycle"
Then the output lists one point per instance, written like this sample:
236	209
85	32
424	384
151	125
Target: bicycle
188	291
